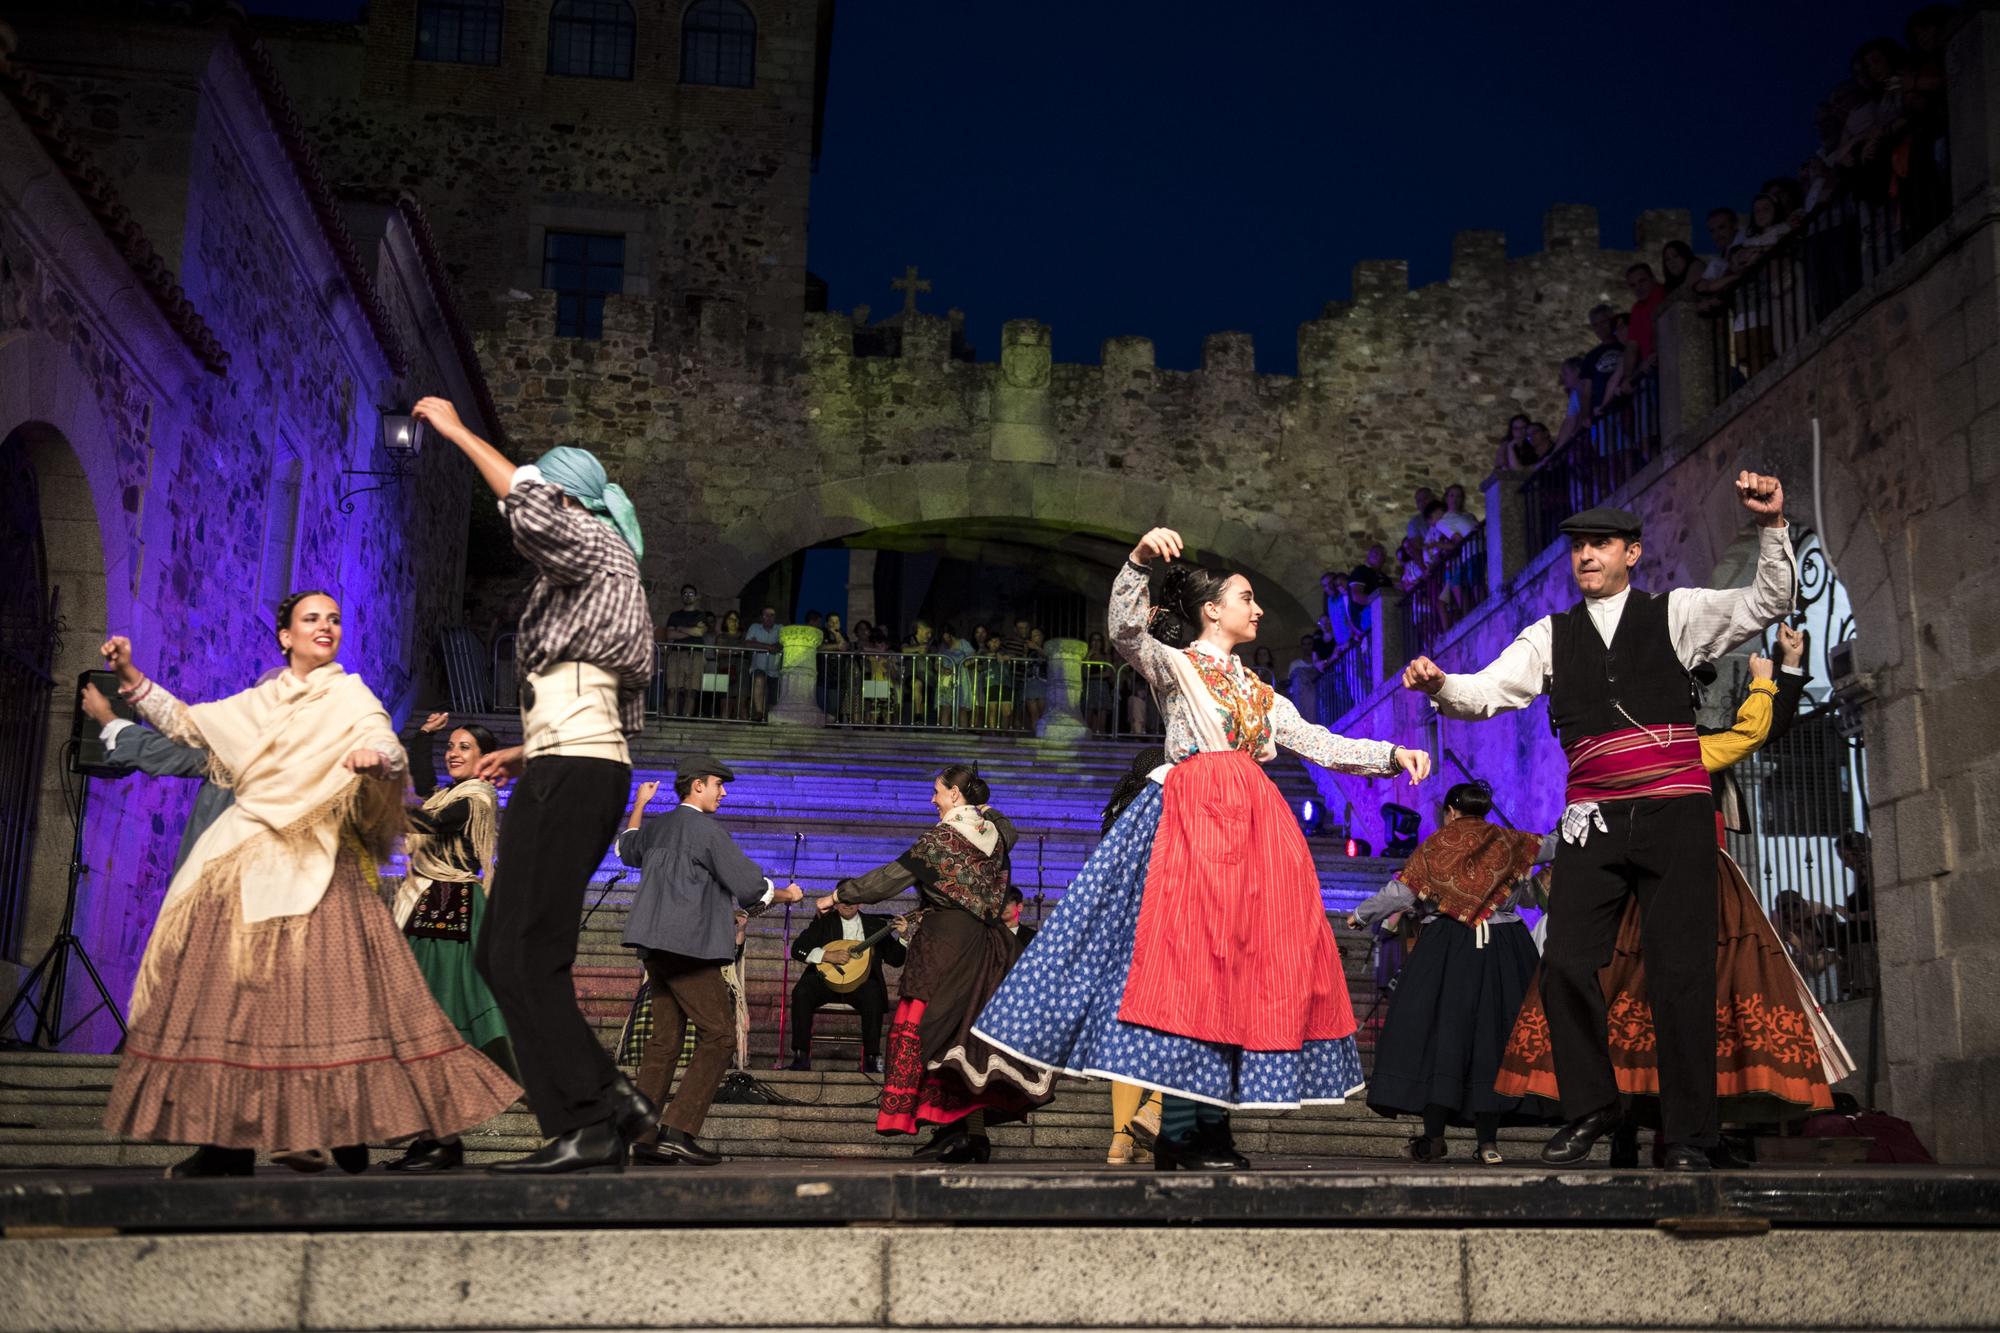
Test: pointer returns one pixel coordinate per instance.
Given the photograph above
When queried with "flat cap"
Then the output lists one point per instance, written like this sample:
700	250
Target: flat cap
699	765
1603	519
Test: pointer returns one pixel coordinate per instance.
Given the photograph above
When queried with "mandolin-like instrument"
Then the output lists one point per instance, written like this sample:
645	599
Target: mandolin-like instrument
848	976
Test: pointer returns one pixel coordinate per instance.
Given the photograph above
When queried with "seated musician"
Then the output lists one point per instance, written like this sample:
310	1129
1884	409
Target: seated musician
1010	917
832	941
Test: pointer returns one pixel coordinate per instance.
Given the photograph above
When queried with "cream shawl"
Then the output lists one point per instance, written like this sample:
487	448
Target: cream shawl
280	744
450	860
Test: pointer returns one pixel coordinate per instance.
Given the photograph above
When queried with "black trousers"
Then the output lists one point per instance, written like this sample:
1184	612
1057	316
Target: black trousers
1662	853
811	993
558	823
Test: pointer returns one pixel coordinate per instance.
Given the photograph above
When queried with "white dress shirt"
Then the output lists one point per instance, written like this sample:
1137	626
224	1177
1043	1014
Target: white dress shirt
1704	623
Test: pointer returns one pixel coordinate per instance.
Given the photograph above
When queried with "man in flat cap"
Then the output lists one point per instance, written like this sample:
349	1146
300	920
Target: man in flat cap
1639	817
693	878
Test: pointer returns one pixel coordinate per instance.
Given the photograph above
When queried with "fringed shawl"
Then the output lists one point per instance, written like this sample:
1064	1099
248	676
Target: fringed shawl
466	856
282	743
1469	867
963	860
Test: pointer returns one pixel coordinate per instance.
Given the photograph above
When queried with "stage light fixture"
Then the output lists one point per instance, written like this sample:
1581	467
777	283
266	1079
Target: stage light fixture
1400	826
1309	813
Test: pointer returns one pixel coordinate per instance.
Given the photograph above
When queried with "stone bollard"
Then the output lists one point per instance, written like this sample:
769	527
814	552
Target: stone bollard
1063	720
795	706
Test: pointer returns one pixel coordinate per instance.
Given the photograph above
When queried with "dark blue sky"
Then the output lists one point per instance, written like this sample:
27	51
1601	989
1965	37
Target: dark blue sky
1173	169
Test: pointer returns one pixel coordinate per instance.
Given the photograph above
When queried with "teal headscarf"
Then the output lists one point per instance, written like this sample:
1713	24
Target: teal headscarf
581	477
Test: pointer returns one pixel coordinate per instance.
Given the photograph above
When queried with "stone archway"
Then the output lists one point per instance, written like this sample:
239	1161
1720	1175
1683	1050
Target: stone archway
50	415
1048	498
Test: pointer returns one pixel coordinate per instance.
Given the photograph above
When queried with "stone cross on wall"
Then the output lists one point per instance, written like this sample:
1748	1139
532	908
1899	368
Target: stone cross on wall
910	285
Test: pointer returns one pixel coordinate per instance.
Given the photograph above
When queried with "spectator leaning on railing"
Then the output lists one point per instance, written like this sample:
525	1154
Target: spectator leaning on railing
765	664
1575	385
1647	294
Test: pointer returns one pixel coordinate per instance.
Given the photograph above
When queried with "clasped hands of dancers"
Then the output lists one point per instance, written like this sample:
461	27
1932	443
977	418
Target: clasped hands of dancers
274	921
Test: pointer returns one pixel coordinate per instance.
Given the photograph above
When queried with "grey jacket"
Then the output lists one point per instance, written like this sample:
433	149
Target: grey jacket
141	749
692	879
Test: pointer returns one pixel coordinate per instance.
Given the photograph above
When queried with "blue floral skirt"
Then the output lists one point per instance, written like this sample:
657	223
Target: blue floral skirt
1058	1007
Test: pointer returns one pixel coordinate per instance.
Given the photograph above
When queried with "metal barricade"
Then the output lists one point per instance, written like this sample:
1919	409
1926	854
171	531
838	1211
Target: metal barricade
467	670
1098	698
932	691
506	680
714	682
1138	717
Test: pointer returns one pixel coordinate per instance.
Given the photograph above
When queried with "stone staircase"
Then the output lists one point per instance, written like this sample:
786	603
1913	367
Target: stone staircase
817	805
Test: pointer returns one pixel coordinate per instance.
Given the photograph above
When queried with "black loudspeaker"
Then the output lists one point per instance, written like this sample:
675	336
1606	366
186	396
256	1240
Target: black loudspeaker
88	753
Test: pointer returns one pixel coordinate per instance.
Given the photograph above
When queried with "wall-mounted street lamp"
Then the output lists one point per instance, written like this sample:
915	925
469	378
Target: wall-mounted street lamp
400	436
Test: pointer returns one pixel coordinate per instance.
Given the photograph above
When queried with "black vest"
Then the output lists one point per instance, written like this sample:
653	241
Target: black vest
1639	672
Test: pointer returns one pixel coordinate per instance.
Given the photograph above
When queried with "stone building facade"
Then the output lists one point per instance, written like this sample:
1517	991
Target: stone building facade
1904	384
186	373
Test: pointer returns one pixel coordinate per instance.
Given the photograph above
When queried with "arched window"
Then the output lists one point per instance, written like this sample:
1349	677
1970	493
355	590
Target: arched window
591	38
719	44
459	32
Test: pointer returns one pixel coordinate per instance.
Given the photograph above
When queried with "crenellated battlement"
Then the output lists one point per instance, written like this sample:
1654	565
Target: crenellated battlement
1397	386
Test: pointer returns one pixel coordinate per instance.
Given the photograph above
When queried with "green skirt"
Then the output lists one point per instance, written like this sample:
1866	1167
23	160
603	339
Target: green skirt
460	991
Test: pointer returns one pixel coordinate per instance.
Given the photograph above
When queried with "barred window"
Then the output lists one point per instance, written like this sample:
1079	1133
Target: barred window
459	32
582	268
719	44
591	38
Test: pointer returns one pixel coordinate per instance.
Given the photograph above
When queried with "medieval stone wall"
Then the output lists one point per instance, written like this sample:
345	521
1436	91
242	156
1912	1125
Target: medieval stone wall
178	464
733	469
708	185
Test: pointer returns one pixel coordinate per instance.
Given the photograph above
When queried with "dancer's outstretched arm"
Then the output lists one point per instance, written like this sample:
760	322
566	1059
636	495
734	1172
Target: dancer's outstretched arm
1373	759
495	468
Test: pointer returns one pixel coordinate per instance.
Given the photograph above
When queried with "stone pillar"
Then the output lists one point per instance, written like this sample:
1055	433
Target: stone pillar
1063	718
1023	419
1971	66
795	706
860	588
1687	368
1506	530
1390	657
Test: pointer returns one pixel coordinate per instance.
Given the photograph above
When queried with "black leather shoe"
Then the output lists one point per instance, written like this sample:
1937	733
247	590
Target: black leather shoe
210	1161
968	1148
353	1159
675	1147
630	1108
1217	1139
1724	1158
943	1139
1686	1157
586	1149
1188	1154
871	1066
1573	1142
801	1064
428	1157
1625	1147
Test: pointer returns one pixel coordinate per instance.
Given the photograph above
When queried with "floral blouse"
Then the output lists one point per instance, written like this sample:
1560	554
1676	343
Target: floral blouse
1213	702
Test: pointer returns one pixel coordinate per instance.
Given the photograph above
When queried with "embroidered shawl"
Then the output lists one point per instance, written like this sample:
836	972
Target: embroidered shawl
963	860
1469	867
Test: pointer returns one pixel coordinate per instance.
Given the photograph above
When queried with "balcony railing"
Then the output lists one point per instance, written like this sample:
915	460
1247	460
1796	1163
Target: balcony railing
1347	679
1582	473
1453	585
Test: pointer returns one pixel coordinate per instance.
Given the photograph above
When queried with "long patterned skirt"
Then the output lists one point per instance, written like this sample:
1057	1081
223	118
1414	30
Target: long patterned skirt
1059	1007
1454	1006
935	1069
1774	1051
341	1043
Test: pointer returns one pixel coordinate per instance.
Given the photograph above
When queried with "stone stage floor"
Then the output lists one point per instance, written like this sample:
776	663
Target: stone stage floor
770	1192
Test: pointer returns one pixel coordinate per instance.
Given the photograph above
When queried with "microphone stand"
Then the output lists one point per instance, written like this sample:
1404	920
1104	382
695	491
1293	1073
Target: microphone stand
1041	893
609	884
785	993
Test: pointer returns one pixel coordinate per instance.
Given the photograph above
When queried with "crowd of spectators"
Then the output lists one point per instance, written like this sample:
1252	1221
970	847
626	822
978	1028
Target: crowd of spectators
1804	243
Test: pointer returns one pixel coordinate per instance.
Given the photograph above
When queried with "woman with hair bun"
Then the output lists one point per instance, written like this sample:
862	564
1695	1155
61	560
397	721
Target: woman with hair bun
1193	954
935	1071
442	902
1455	1001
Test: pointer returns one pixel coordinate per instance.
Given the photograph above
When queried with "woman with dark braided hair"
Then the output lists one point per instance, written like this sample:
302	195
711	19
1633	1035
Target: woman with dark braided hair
935	1070
1455	1001
1193	954
276	1003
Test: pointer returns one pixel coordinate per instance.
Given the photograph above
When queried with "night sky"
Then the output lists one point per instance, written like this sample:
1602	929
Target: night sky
1172	169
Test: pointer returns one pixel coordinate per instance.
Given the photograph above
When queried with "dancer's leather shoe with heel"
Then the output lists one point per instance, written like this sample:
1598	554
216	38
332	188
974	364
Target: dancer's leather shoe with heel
591	1148
428	1157
675	1147
1188	1153
1573	1142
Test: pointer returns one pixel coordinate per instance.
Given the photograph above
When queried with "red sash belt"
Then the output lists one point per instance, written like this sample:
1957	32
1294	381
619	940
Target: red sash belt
1637	764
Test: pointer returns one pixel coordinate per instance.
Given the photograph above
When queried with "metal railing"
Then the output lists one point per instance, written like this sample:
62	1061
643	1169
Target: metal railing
1811	272
1454	584
1799	796
1582	473
1346	681
714	683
